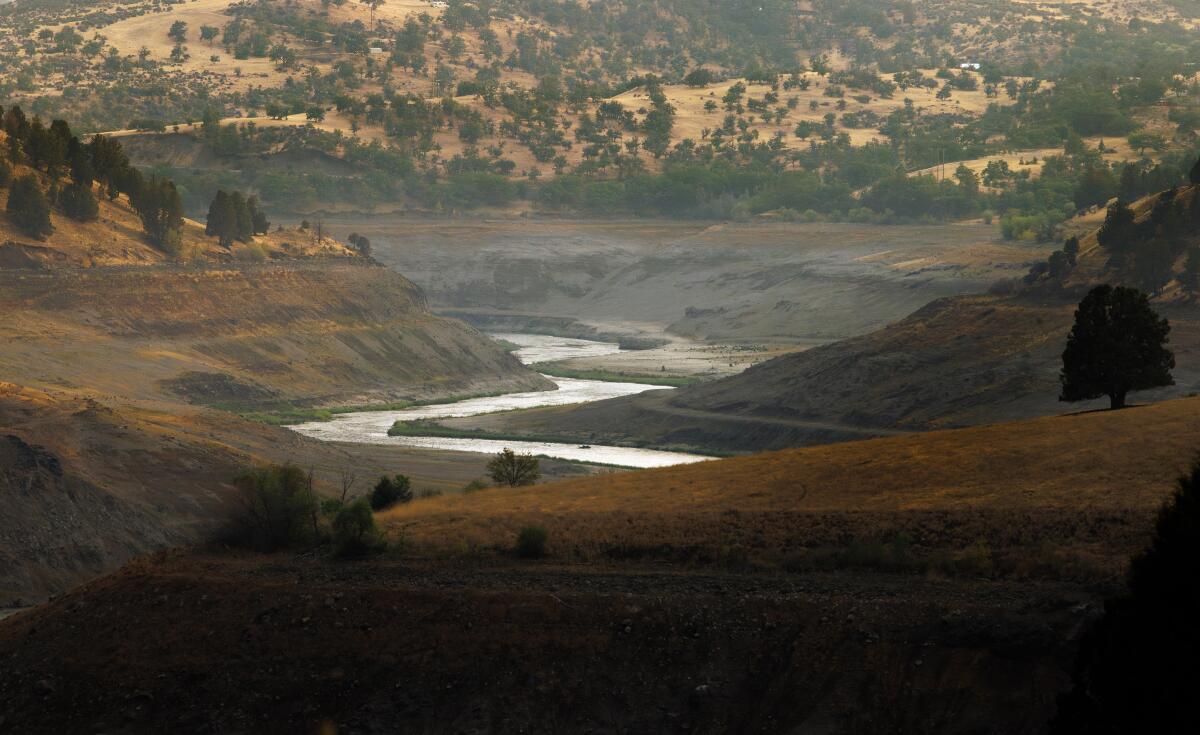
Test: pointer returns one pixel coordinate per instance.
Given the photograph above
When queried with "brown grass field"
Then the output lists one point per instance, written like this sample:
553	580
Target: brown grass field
1080	486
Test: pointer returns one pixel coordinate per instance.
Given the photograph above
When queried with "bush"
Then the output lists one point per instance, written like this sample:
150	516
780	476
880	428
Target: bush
531	542
354	531
279	508
389	491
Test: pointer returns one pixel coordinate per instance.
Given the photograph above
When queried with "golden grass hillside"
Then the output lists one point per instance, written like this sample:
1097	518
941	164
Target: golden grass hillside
1079	484
117	238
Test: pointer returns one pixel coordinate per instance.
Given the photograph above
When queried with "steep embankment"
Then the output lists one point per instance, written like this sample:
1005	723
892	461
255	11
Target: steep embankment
107	369
295	331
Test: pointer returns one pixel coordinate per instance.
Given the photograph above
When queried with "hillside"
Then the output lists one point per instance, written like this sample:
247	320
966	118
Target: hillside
678	108
934	583
1078	488
956	361
128	357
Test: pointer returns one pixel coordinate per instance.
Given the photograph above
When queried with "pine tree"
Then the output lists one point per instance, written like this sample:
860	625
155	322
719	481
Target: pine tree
158	204
261	225
28	208
243	221
222	220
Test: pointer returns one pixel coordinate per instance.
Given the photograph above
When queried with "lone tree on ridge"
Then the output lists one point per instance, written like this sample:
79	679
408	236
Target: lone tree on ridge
1118	345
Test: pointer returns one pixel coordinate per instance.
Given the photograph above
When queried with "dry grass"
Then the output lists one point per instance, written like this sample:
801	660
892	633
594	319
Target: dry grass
1085	482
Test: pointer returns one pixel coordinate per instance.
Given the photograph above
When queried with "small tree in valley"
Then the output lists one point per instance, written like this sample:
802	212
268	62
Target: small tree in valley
512	469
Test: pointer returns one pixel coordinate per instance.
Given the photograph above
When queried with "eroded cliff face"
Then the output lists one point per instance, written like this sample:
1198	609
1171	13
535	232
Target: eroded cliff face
118	387
320	332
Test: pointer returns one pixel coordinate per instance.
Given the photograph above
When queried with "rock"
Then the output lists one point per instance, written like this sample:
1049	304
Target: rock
43	687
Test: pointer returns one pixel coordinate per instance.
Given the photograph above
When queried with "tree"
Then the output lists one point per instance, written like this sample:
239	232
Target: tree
243	219
277	507
389	491
178	31
79	203
158	204
360	244
509	468
222	220
1136	667
1194	173
700	77
1117	345
208	33
259	224
354	531
28	208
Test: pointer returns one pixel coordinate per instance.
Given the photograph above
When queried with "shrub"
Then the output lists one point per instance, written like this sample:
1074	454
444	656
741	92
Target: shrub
278	508
354	531
531	542
474	486
389	491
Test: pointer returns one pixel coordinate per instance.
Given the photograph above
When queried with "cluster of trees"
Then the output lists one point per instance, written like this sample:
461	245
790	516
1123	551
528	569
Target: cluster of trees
74	170
235	216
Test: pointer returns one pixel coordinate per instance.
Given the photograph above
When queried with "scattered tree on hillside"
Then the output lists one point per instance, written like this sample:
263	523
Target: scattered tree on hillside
700	78
513	470
28	208
1116	346
79	203
178	31
1136	667
233	216
208	33
158	204
222	220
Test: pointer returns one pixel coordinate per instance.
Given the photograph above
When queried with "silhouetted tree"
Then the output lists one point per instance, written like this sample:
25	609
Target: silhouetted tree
1116	346
1136	669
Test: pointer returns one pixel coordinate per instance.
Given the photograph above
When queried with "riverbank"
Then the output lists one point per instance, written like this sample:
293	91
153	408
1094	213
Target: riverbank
380	427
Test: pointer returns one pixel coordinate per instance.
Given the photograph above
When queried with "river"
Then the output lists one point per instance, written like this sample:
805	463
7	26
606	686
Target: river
371	427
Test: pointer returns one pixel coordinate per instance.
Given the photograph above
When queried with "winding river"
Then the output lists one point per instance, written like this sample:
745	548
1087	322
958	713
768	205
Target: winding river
371	427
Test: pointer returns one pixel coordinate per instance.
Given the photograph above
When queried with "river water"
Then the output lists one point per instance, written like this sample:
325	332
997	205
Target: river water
371	427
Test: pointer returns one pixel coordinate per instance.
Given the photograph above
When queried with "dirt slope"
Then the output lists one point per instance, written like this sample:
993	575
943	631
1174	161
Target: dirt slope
301	646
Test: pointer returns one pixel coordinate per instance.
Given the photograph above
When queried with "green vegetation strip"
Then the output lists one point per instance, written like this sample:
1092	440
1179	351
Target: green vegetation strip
674	381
